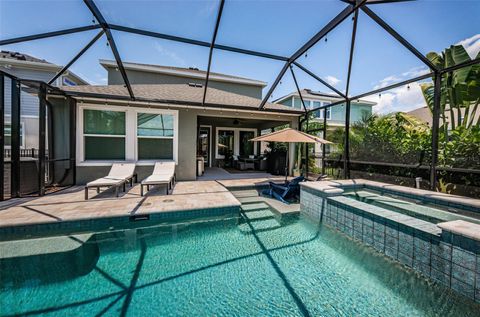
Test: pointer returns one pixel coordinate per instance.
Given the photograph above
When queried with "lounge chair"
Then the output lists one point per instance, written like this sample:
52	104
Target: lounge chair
119	175
284	191
163	174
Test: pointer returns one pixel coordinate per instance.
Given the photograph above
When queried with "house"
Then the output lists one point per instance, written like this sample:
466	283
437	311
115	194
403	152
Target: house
424	114
29	67
335	115
168	119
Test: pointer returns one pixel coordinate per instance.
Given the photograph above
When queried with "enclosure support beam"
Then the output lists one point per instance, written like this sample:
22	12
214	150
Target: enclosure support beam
435	128
2	136
73	137
195	42
399	38
48	34
402	83
15	140
461	65
42	98
299	92
338	92
317	37
346	152
101	20
352	49
214	37
66	67
324	146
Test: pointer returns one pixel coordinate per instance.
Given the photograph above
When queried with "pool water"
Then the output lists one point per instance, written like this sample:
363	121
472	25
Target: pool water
256	266
414	208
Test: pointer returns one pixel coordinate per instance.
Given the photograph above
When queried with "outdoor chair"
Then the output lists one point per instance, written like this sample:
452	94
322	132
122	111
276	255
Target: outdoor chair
163	174
119	175
285	191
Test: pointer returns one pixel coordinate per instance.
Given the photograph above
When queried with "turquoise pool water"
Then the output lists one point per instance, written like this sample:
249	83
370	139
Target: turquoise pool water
259	266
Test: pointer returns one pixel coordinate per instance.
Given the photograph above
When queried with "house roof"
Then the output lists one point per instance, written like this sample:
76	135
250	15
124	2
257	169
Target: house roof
423	113
176	94
22	60
183	72
21	57
311	94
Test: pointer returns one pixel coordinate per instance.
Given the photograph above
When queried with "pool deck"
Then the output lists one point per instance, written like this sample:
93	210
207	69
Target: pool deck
69	205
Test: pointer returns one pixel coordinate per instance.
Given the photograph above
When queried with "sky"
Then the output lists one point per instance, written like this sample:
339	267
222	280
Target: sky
276	27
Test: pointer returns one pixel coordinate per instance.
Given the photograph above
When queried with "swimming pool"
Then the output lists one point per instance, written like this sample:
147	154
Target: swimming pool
259	265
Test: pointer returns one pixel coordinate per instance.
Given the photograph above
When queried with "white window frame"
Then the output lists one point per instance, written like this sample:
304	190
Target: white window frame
173	113
236	140
131	145
328	110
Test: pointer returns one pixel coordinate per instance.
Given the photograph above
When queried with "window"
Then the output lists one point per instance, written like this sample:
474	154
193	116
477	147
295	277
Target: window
318	113
226	143
116	133
104	134
329	110
8	134
246	146
155	133
234	141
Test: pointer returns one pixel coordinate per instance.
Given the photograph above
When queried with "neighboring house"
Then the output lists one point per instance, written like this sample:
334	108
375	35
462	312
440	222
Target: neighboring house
335	114
28	67
173	124
425	115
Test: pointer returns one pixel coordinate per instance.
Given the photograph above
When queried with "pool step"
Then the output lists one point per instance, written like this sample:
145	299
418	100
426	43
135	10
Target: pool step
259	215
42	246
245	193
254	206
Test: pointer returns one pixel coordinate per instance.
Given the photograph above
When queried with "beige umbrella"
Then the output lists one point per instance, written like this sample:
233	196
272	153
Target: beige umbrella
290	135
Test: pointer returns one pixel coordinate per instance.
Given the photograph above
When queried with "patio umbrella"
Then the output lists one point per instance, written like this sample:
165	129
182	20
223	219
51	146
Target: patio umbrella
290	135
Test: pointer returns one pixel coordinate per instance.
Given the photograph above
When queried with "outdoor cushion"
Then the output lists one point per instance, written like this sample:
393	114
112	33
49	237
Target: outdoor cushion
122	170
157	179
106	181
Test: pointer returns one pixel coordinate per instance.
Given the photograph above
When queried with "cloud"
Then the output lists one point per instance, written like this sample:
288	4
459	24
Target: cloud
209	9
411	73
472	45
169	54
332	80
404	98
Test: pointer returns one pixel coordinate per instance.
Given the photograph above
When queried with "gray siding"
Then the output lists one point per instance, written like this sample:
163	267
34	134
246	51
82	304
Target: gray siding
139	77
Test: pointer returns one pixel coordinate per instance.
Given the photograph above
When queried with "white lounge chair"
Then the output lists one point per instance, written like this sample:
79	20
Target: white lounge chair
163	174
119	175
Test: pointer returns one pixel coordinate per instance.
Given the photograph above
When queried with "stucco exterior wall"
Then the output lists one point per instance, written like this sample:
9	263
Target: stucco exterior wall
187	144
